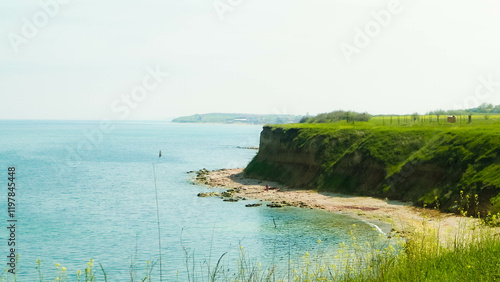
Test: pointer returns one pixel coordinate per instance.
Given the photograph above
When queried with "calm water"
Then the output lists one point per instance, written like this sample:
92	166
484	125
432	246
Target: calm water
83	193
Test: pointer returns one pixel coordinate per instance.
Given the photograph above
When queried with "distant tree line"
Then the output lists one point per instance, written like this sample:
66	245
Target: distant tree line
335	116
484	108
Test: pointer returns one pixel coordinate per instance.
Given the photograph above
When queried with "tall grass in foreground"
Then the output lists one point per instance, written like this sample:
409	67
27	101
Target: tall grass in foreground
470	254
427	254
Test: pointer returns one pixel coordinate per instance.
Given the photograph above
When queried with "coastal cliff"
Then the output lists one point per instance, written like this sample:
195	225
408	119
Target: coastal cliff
444	167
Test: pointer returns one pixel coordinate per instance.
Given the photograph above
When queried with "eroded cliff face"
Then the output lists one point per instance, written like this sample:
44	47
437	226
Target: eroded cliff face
324	161
281	157
422	166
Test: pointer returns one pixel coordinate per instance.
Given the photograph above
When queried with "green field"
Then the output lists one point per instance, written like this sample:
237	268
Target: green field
409	121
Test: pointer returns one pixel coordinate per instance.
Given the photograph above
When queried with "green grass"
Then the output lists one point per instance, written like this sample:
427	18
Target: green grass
472	263
421	161
406	121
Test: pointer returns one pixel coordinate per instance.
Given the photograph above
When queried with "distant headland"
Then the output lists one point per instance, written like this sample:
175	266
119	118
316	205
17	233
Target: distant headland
238	118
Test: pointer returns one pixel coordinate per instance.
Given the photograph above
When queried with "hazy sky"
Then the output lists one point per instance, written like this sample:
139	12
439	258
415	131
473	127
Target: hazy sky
89	59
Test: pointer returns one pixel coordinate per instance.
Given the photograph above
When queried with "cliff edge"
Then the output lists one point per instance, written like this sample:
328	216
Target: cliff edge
451	168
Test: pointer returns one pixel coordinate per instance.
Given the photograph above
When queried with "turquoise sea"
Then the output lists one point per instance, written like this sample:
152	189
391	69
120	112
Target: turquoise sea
87	191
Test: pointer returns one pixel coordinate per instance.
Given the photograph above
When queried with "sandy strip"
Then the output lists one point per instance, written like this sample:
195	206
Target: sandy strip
403	217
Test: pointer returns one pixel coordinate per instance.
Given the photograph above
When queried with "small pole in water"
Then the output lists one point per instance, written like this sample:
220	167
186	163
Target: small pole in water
274	223
159	156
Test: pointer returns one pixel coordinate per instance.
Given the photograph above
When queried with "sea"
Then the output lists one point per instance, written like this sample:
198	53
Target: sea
98	190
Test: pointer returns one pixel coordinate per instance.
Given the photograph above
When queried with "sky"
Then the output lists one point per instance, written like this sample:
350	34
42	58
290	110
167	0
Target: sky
156	60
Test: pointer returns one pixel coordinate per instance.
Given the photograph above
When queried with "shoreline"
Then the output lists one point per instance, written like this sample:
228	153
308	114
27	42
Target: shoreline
388	216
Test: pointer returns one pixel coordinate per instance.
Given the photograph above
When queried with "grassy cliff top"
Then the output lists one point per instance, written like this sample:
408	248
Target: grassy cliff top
478	123
397	141
420	160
